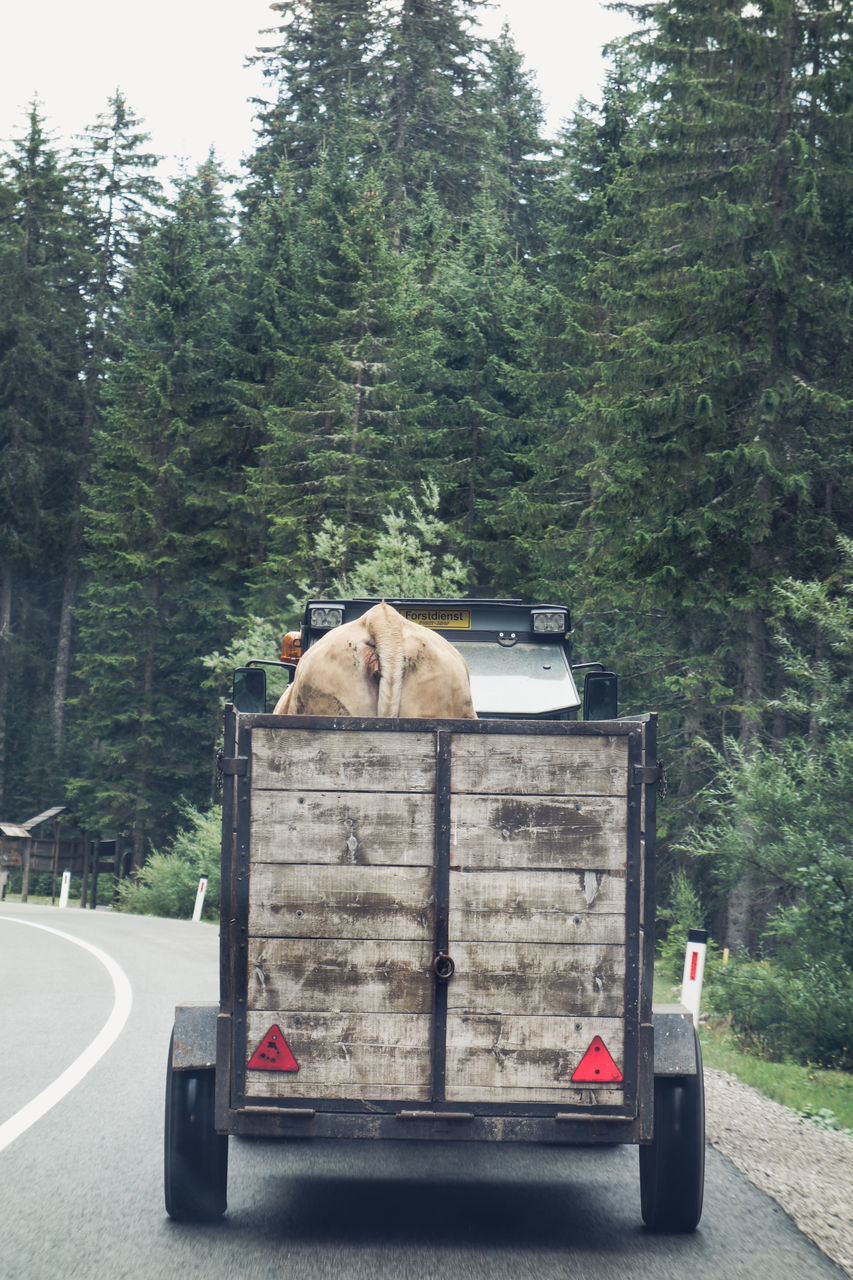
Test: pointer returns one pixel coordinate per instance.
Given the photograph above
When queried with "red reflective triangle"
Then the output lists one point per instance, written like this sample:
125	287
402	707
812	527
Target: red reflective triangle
273	1054
596	1066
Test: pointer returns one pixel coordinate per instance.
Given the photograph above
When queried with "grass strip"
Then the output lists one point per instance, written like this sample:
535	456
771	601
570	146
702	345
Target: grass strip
820	1096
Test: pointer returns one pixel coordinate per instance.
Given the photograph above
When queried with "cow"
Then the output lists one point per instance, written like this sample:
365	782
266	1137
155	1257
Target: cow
382	664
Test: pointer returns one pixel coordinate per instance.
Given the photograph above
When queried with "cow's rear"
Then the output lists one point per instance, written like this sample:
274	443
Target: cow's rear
381	664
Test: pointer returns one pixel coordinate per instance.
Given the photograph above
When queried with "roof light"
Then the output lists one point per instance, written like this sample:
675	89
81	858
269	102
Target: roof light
291	647
550	621
324	617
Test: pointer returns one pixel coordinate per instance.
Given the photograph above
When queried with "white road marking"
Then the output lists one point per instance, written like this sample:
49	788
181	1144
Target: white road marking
92	1054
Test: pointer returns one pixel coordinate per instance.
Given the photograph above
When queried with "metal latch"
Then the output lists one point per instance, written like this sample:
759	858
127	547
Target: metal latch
443	966
233	766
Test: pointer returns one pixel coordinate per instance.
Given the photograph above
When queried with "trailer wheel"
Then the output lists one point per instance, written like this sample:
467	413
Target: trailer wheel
672	1166
196	1156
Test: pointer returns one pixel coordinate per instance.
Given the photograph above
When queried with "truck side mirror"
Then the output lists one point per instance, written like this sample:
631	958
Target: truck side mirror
250	690
600	696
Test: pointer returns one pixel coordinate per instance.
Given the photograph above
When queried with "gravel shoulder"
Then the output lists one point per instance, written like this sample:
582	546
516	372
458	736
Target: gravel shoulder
807	1170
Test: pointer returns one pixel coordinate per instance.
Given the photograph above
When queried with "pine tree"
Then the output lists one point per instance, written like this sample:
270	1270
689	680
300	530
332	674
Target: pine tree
120	179
119	191
160	531
324	75
265	319
44	266
714	341
519	156
580	198
713	304
485	384
434	133
343	424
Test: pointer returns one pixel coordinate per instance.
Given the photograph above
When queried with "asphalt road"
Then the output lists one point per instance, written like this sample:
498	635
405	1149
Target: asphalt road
81	1187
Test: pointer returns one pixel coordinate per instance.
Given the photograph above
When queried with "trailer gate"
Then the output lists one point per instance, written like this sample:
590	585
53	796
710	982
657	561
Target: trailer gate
442	926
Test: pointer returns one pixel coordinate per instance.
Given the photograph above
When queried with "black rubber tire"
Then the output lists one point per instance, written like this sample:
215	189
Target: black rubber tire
672	1165
195	1155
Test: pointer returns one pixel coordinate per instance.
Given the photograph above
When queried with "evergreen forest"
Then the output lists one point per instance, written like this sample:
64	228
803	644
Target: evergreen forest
610	368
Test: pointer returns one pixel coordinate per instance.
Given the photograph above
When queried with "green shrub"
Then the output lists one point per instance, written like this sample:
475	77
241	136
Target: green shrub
779	1014
168	883
776	822
683	913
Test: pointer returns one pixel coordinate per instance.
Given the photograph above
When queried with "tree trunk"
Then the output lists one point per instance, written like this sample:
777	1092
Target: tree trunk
62	669
353	448
740	902
753	676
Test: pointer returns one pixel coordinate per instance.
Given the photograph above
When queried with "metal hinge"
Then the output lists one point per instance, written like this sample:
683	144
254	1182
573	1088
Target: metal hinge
649	774
235	765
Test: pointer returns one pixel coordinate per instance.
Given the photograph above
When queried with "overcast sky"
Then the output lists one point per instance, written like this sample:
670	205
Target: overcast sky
180	64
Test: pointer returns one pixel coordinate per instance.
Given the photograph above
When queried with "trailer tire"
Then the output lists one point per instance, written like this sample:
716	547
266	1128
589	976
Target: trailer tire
195	1155
672	1165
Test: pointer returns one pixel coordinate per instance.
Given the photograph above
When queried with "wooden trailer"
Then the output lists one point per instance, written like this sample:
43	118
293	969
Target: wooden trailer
437	931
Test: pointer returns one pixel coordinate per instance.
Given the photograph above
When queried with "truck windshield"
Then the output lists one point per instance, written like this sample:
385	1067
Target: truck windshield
522	679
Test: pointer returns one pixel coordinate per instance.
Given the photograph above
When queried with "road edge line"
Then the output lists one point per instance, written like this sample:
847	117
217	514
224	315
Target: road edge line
44	1101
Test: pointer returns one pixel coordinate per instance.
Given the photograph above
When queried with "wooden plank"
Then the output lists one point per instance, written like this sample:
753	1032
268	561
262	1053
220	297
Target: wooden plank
520	764
530	1059
515	978
537	906
342	902
358	828
345	1055
555	832
323	760
340	975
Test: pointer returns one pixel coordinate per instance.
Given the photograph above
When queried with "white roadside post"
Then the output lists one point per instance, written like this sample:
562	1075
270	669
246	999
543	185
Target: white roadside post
64	888
694	971
199	898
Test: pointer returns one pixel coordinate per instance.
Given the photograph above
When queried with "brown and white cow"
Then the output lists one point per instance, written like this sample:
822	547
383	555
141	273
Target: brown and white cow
382	664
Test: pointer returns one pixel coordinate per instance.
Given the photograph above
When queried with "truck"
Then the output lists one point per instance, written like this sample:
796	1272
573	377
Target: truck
441	930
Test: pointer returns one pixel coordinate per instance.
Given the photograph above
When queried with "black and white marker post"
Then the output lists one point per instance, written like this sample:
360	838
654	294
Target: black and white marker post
694	971
199	899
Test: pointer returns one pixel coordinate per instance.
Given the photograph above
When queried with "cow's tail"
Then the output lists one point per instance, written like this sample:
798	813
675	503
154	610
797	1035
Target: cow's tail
386	628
